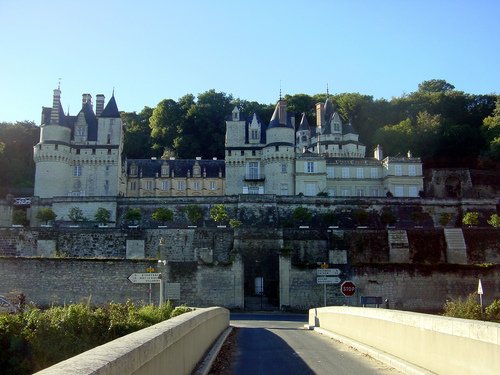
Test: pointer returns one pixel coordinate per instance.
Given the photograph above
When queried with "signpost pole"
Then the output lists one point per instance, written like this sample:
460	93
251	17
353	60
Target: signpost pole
324	294
161	289
480	293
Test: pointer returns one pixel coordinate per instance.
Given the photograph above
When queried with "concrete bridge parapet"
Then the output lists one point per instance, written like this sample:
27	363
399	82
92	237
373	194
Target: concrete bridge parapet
441	345
172	347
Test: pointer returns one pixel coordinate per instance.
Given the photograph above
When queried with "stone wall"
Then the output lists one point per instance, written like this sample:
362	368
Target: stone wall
46	281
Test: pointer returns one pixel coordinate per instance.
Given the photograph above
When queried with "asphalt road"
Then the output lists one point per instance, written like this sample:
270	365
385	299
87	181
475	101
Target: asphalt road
274	344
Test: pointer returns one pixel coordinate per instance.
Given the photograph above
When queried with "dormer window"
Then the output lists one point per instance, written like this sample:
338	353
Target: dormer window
196	170
133	170
164	170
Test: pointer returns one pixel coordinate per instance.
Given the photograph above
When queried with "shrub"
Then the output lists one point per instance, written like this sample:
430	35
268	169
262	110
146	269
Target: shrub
102	215
233	223
360	216
445	218
179	310
19	217
471	218
492	312
75	214
387	217
162	214
302	215
194	213
494	221
133	214
46	214
218	213
465	309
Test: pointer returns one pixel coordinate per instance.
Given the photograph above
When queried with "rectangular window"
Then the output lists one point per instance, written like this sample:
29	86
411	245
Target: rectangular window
242	153
253	190
412	171
109	151
283	168
253	152
345	172
330	172
77	171
360	192
346	192
253	170
56	147
412	191
360	173
164	185
284	189
109	139
276	148
255	134
196	185
398	191
212	185
311	190
374	172
78	151
398	171
149	185
374	192
332	192
309	167
133	185
181	185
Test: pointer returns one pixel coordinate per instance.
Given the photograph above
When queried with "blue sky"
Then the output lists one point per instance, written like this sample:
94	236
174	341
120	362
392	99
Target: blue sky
151	50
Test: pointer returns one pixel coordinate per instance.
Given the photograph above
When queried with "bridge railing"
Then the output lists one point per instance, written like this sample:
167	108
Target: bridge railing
174	346
439	344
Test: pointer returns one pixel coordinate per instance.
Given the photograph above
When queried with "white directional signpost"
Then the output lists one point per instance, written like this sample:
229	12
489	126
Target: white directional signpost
325	275
145	278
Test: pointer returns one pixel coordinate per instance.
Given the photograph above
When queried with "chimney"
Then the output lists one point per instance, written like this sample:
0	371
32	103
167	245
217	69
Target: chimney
282	112
56	103
86	98
378	154
320	110
99	104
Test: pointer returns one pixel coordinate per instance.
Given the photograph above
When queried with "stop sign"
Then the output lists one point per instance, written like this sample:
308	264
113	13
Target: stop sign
348	288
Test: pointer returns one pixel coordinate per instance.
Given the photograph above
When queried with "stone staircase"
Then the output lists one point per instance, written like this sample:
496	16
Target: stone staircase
456	249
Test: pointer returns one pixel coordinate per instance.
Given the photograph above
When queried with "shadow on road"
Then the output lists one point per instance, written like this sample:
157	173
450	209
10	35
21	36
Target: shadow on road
259	351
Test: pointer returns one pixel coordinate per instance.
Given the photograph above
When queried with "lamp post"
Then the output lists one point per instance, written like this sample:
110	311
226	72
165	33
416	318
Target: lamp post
162	279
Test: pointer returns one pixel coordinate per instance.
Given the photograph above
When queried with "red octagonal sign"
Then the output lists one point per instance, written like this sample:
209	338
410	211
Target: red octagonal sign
348	288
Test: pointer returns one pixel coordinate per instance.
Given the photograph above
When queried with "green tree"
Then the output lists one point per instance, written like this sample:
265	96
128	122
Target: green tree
133	215
471	218
162	215
137	134
494	221
165	122
46	214
435	85
445	218
387	217
75	214
491	132
194	213
219	213
302	215
19	217
102	215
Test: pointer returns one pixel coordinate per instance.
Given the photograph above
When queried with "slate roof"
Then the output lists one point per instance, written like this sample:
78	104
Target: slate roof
149	167
304	124
111	109
276	121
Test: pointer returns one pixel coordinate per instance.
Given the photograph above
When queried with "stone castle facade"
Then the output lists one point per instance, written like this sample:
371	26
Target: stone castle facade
82	156
326	159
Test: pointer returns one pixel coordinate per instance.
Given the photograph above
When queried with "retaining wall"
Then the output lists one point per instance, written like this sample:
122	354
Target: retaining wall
172	347
440	344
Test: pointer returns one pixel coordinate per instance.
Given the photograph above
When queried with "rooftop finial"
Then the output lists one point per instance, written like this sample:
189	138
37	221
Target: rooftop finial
59	84
327	92
113	94
280	90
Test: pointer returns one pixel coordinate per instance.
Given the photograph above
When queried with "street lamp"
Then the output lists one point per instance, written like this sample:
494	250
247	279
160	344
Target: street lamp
162	280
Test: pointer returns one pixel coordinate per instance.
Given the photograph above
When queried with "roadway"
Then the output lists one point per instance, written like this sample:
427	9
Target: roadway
274	344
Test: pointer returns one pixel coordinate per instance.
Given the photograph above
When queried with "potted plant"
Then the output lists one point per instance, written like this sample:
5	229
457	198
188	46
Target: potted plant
75	215
471	219
102	216
19	218
162	215
46	215
133	216
219	214
194	214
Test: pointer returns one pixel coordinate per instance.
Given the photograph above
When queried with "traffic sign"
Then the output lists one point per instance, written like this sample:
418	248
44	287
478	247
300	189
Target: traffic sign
145	278
328	271
348	288
327	280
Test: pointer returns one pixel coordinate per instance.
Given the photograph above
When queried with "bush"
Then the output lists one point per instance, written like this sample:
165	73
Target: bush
46	214
218	213
301	215
464	309
133	214
492	312
233	223
35	339
162	215
194	213
445	218
494	221
75	214
471	218
102	215
19	217
387	217
179	310
360	216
